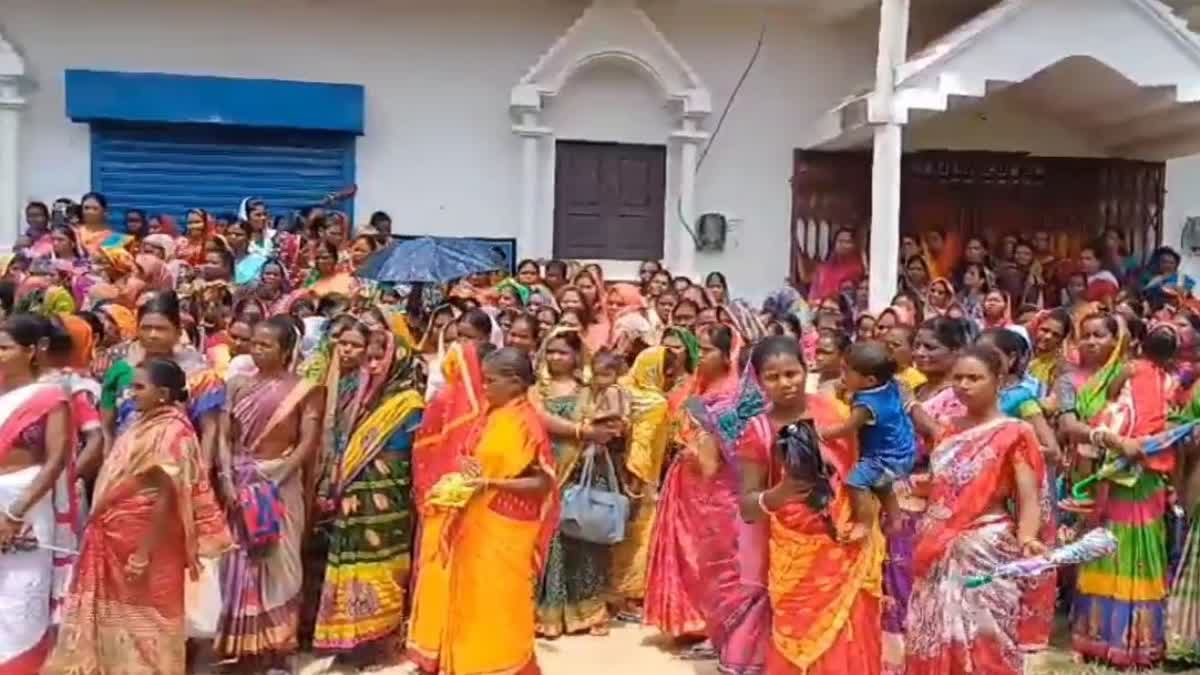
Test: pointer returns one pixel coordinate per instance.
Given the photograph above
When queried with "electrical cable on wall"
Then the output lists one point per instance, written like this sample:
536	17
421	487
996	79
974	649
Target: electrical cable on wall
762	35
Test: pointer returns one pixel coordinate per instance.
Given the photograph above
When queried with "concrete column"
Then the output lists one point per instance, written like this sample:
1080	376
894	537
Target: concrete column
889	138
885	216
529	244
11	208
683	262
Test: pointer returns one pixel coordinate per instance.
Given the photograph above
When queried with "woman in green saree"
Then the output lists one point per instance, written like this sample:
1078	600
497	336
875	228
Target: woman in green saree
571	596
365	497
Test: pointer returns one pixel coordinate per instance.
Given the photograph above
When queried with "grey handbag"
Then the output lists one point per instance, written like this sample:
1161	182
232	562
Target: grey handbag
594	514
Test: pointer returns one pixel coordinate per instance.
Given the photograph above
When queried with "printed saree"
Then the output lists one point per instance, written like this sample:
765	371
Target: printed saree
825	596
1183	603
473	610
370	538
261	589
1119	612
966	532
27	578
571	592
673	603
112	624
733	553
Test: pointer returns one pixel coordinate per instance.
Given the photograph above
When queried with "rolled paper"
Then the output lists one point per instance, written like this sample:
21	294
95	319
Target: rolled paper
1097	544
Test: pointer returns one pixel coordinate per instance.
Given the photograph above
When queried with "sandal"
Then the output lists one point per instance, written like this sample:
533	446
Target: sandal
629	617
703	651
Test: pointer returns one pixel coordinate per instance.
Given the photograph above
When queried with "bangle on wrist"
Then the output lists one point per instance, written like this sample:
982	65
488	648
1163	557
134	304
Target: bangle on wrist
11	516
762	502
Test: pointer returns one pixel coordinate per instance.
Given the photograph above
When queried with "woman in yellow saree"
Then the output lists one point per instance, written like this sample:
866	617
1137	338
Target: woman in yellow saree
647	387
473	610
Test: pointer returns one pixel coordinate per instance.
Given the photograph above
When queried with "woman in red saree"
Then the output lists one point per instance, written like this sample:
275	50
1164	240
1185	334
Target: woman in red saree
153	517
844	264
987	461
673	603
197	229
825	595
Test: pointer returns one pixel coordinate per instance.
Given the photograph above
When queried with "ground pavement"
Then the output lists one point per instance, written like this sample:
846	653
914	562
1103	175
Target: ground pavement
633	650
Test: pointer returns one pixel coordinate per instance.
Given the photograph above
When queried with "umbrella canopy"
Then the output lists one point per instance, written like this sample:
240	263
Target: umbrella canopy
432	260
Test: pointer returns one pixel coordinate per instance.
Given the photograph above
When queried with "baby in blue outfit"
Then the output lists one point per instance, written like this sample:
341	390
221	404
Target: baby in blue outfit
887	443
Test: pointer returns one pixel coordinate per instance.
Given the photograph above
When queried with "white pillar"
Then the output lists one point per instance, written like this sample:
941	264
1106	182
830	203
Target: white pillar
11	211
529	244
885	216
888	145
683	262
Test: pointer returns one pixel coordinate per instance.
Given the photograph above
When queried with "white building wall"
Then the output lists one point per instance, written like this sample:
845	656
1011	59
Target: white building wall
438	152
1183	201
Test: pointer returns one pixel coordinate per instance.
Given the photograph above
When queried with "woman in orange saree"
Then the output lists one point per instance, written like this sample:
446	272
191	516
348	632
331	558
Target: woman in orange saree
825	595
481	554
152	518
987	462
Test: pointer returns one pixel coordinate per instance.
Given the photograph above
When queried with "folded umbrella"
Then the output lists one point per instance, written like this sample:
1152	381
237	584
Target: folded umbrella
432	260
1097	544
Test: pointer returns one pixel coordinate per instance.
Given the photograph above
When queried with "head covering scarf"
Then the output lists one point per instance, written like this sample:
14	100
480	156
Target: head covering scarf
39	295
1005	319
119	259
153	272
746	321
582	369
167	225
690	343
946	286
631	323
787	302
82	340
646	384
628	299
164	241
1094	394
523	292
123	318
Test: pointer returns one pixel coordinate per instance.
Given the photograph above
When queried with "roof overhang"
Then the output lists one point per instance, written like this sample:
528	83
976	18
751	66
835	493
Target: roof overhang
614	31
12	73
1123	73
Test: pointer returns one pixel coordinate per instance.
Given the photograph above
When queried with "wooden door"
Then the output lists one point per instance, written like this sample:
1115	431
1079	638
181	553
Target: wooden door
609	201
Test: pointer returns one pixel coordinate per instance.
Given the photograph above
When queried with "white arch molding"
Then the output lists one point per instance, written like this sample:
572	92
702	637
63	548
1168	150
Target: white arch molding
12	75
609	31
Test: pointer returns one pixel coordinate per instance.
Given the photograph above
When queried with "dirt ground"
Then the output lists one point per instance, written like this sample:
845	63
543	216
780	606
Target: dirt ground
631	650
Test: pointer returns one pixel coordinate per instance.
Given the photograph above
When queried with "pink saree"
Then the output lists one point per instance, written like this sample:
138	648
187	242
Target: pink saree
673	603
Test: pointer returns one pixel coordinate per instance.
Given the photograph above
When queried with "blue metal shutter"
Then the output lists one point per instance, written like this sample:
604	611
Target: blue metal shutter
172	168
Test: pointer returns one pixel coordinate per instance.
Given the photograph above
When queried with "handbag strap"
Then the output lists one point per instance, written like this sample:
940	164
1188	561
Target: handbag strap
611	472
589	467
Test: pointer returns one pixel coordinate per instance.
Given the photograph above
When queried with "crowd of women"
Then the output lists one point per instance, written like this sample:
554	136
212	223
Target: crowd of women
222	444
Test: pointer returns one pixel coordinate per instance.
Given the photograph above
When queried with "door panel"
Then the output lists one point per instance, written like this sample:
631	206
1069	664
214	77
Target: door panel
609	201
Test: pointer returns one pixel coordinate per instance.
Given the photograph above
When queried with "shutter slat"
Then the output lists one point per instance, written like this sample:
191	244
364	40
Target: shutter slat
170	169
